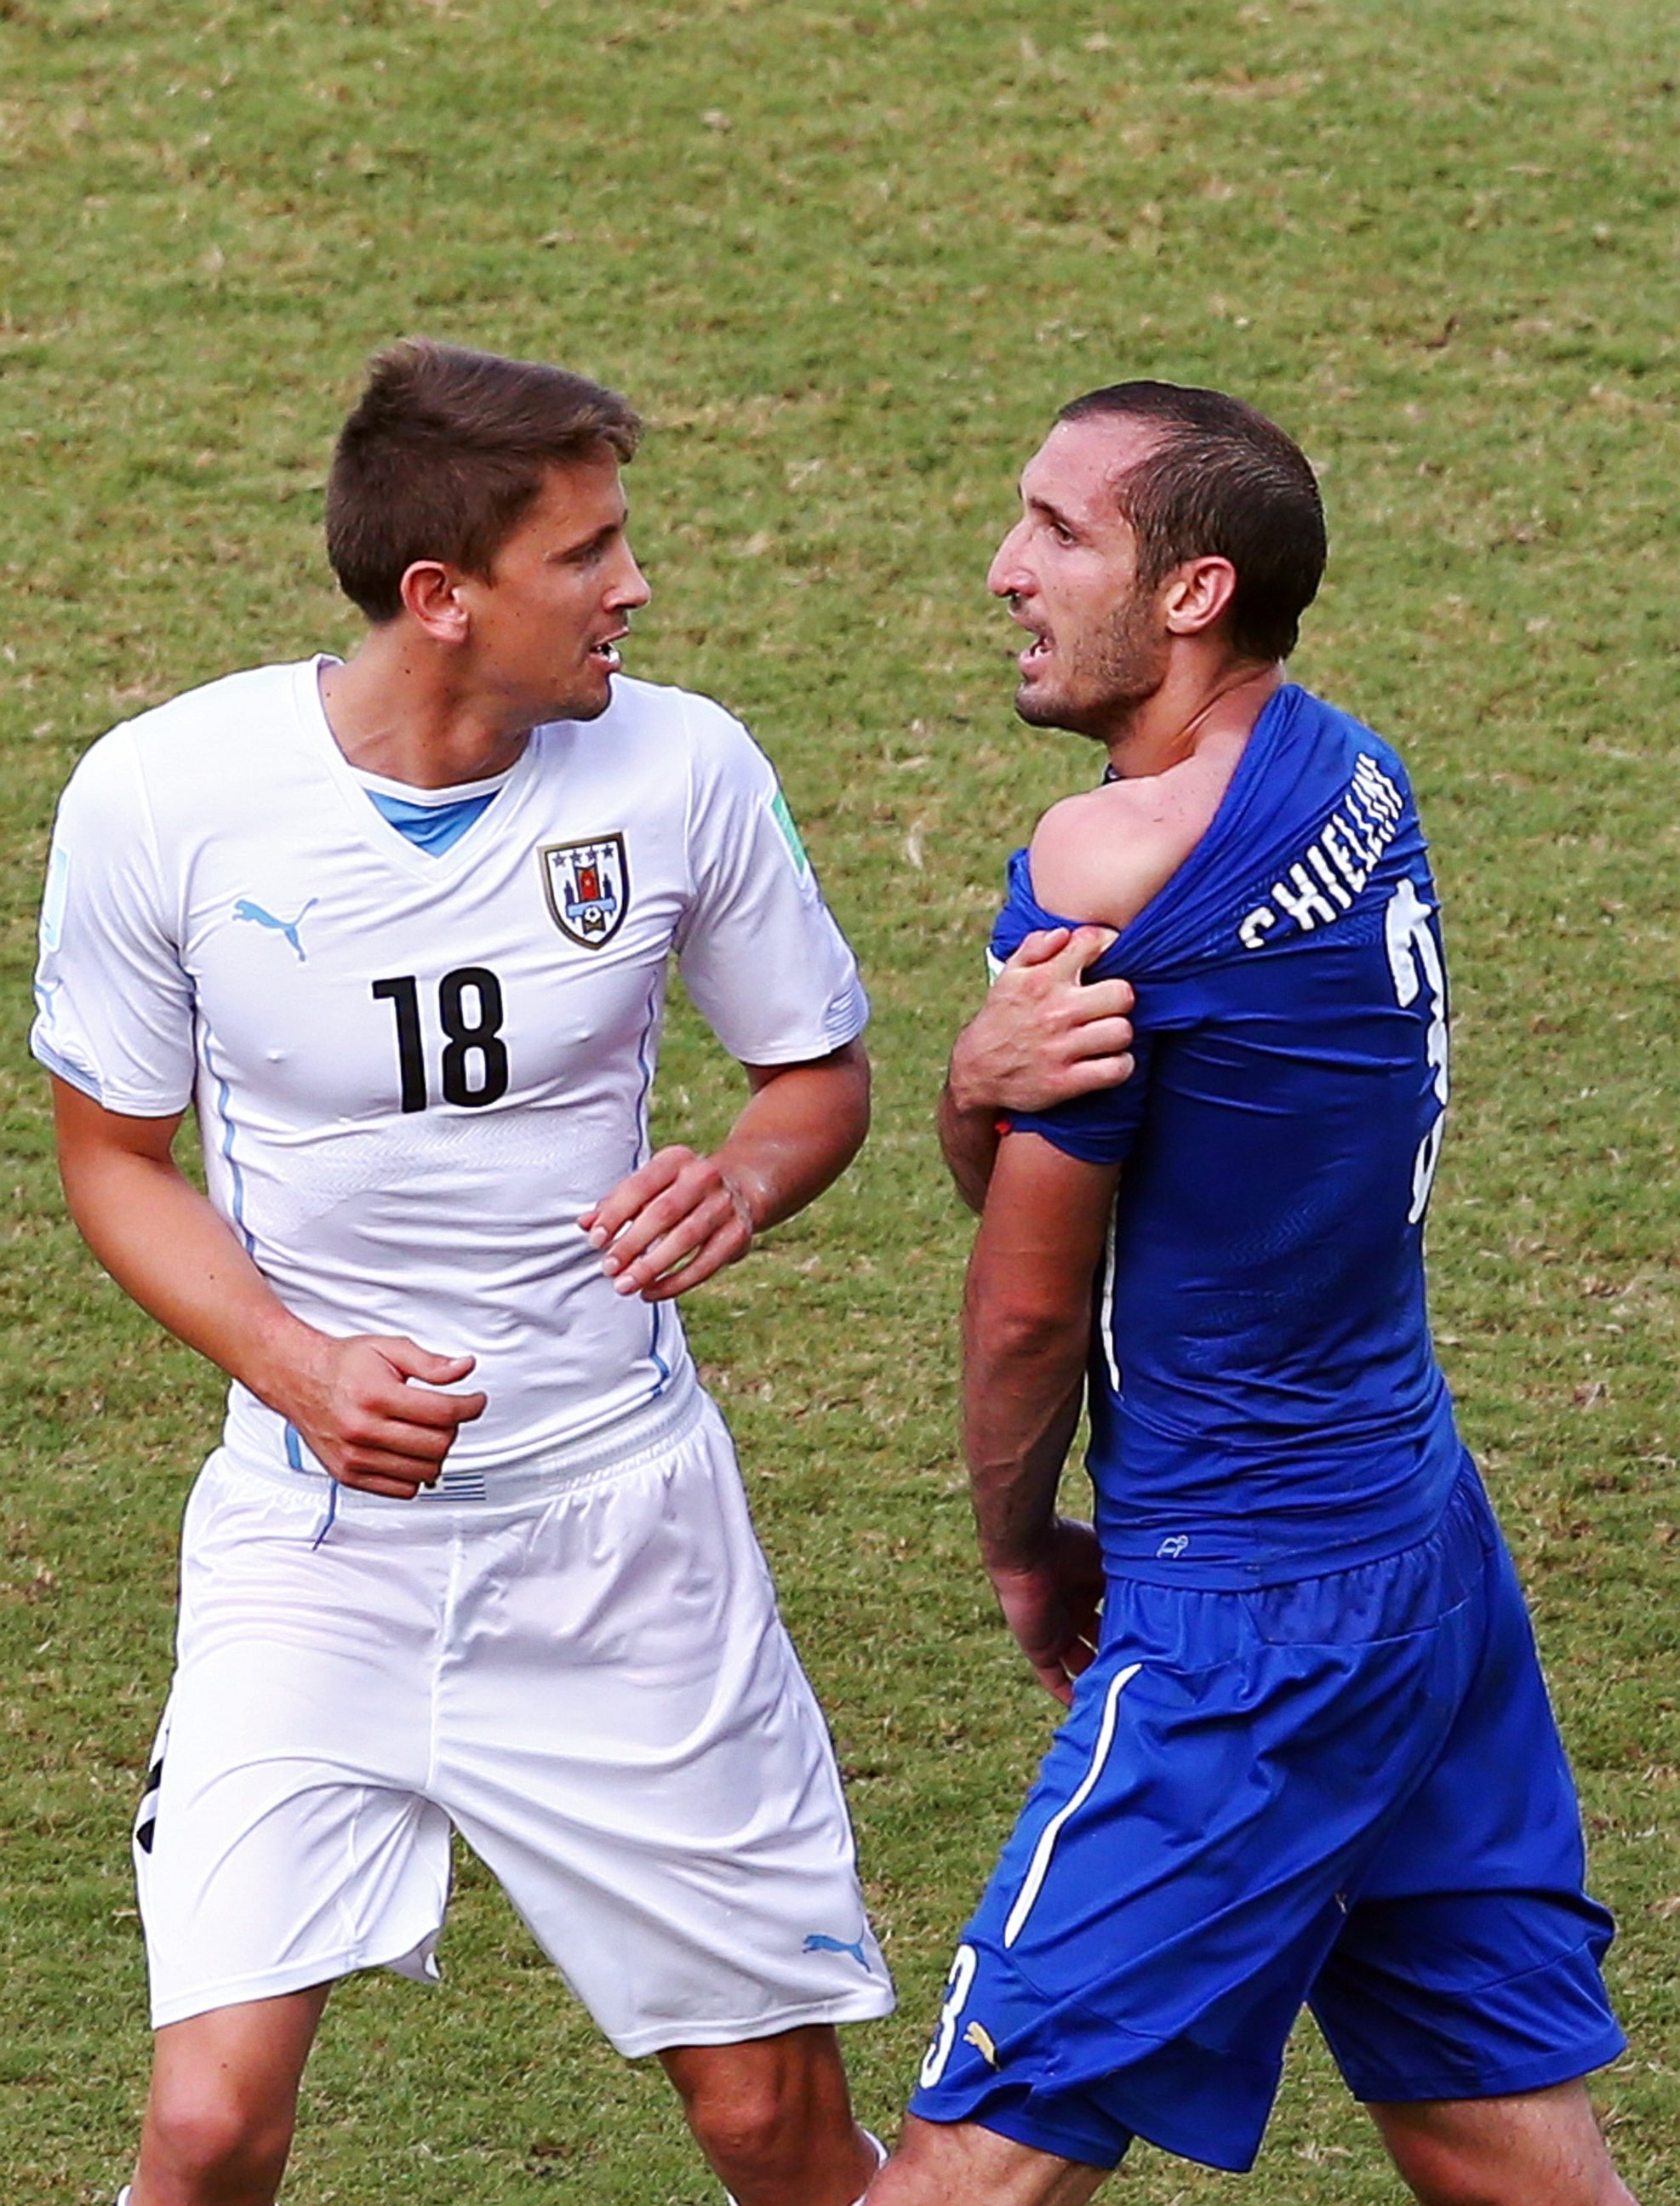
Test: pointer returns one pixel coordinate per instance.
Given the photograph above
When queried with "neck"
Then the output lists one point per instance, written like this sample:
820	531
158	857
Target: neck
1194	707
394	710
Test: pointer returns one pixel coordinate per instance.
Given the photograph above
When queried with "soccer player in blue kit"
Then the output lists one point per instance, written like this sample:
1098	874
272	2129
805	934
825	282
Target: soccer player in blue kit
1308	1757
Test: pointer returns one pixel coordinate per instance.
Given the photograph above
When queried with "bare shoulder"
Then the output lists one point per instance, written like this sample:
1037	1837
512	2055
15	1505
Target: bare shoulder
1105	854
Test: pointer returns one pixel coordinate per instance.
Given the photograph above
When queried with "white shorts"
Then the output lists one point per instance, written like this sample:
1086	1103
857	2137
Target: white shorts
588	1678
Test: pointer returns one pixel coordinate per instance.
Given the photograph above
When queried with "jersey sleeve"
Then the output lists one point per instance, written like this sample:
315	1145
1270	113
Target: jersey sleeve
1099	1129
758	950
114	1006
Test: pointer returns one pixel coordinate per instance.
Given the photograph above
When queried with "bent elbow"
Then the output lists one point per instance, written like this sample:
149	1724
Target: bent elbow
1009	1331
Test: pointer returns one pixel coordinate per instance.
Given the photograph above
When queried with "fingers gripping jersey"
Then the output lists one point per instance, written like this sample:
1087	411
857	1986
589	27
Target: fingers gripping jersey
1265	1399
411	1071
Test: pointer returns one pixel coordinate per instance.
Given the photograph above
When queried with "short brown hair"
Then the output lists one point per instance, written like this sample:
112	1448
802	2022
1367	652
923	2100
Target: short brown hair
444	454
1223	481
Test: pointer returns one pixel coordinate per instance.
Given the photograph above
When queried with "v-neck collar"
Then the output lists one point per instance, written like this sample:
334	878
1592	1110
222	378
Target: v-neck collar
388	842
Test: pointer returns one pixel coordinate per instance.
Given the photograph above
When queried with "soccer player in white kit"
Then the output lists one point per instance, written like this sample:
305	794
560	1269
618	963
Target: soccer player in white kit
473	1551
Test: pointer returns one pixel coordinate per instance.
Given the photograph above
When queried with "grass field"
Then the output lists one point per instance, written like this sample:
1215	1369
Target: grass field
849	258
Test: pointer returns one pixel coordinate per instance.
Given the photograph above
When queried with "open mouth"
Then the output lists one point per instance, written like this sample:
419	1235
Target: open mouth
1038	649
605	653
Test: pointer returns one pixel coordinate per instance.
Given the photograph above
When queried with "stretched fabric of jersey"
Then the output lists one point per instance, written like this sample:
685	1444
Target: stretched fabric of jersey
1265	1400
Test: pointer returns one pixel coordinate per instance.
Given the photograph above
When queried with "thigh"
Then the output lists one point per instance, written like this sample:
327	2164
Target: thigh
283	1839
800	2069
1468	1966
630	1744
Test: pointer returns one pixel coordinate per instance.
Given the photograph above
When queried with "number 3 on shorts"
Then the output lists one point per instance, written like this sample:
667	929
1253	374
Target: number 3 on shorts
958	1985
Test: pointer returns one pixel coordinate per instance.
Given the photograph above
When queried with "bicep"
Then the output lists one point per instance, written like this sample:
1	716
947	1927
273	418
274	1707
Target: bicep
114	1002
89	1135
1045	1225
843	1071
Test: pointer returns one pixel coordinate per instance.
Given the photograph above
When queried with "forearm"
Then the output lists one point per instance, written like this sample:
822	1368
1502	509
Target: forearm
968	1138
1026	1339
168	1248
680	1218
353	1400
801	1127
1022	1390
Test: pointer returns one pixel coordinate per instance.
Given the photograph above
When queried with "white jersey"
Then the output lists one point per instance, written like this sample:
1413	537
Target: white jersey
411	1072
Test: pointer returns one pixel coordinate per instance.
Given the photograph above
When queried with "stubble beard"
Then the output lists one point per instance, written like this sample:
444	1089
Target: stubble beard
1110	681
581	706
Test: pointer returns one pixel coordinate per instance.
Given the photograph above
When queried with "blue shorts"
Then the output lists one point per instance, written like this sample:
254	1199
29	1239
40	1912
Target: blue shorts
1347	1793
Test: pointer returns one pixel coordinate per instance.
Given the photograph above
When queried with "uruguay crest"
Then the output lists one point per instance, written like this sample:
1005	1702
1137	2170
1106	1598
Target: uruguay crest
588	888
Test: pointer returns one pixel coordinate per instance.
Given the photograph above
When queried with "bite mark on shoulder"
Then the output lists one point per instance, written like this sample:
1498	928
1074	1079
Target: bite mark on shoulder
1106	853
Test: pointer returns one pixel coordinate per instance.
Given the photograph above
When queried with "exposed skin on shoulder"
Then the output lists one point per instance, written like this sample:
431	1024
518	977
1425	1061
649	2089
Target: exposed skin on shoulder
1103	855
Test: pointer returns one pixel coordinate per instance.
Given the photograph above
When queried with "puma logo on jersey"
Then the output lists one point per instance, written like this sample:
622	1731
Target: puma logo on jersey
820	1942
980	2038
244	909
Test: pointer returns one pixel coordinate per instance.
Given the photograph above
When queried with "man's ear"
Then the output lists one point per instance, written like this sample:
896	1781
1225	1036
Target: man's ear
432	597
1197	595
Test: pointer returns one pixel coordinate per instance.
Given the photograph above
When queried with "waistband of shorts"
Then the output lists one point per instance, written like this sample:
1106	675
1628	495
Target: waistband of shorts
651	1429
1272	1549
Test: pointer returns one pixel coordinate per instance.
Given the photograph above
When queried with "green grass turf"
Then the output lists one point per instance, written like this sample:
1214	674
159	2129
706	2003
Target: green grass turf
849	258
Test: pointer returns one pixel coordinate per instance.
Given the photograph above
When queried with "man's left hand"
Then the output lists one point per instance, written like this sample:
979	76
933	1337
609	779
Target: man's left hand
1053	1605
669	1224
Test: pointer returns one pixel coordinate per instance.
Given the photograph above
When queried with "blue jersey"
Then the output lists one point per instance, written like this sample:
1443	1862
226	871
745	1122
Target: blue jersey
1264	1401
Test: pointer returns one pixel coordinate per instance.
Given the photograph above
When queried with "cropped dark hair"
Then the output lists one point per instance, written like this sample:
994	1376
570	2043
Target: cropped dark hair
1226	482
443	456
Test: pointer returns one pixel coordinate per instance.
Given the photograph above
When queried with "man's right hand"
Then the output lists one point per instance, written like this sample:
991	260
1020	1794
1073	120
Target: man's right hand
352	1400
1043	1034
357	1405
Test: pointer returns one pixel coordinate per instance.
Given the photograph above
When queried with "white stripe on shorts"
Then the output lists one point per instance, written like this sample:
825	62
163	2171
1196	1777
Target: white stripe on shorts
1033	1882
1105	1301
